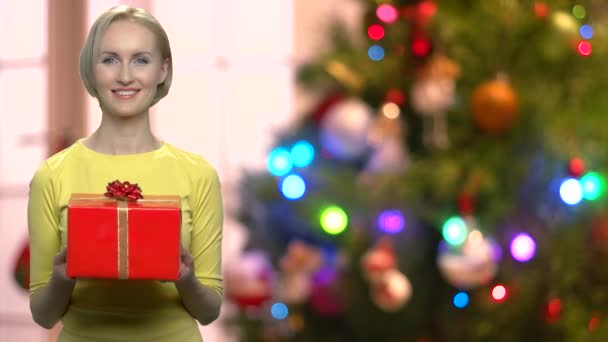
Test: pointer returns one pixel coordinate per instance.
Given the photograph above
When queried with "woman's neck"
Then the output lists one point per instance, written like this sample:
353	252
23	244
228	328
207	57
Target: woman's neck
123	135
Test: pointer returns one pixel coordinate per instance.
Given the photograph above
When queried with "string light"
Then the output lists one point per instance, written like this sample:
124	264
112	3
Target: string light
293	187
334	220
375	52
302	153
586	31
386	13
461	300
592	185
571	191
579	11
391	221
455	231
279	161
279	311
523	247
584	48
499	293
375	32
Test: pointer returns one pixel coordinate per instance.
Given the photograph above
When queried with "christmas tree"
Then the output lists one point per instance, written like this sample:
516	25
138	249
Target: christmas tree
448	185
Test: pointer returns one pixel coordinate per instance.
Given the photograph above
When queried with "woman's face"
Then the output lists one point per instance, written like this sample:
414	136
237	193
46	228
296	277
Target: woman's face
128	69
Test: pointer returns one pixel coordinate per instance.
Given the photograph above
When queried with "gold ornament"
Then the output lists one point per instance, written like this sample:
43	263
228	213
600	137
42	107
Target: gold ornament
495	106
344	75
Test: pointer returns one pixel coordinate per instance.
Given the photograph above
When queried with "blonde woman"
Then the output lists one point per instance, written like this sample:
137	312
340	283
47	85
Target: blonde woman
126	65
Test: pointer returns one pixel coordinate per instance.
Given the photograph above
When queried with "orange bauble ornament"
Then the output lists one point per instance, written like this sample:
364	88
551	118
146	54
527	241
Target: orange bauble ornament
495	106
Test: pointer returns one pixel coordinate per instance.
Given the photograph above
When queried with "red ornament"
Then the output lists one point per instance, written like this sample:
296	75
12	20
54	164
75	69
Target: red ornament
465	204
553	310
426	11
323	107
541	9
599	234
396	96
380	258
421	46
593	322
123	191
576	167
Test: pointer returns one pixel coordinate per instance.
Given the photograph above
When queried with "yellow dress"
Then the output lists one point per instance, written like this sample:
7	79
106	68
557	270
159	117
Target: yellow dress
127	310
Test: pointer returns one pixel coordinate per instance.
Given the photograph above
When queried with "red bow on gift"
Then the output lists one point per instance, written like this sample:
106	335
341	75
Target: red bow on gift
123	191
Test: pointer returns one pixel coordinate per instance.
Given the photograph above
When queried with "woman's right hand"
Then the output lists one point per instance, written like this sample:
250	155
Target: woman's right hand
59	267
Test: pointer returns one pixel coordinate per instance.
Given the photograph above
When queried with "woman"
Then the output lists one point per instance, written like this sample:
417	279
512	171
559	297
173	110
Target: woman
126	64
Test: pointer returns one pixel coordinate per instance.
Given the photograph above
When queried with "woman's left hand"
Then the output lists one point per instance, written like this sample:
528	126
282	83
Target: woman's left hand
186	266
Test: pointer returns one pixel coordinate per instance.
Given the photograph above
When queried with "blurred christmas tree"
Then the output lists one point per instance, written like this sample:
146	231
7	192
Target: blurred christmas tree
447	187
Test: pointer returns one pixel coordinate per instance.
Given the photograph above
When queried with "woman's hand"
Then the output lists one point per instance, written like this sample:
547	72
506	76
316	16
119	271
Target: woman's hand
59	268
186	266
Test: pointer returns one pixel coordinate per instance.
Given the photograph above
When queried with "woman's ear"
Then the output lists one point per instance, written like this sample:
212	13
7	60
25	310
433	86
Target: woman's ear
164	70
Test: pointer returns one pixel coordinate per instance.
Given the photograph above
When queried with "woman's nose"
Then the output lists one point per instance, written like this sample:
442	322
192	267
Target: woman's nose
125	76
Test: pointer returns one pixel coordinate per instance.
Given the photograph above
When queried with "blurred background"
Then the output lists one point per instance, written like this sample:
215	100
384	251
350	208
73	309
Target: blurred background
394	170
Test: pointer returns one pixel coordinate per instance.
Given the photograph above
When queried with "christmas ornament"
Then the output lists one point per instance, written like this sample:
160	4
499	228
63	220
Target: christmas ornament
295	288
495	106
432	94
324	105
300	257
465	204
576	167
344	75
395	96
392	291
344	129
472	264
541	9
297	266
553	310
379	260
565	23
326	295
389	288
388	155
599	234
249	280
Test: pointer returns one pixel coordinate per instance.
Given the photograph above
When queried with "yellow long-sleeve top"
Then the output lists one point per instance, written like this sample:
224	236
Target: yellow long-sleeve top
127	310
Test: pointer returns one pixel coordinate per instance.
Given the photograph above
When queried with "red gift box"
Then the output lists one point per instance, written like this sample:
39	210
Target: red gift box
119	239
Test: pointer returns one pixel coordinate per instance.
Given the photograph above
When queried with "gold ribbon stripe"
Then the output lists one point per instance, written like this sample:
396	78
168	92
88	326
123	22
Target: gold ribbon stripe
123	240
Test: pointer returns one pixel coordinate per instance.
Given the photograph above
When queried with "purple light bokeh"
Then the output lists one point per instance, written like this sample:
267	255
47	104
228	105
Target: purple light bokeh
391	221
523	247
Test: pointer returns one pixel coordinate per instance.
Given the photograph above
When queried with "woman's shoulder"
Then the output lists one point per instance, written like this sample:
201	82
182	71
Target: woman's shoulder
59	160
191	161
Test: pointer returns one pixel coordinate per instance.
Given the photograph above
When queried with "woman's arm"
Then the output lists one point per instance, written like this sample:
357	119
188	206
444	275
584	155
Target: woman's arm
200	283
50	288
202	302
50	302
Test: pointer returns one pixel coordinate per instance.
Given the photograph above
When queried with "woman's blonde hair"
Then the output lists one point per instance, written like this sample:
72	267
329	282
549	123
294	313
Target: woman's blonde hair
137	15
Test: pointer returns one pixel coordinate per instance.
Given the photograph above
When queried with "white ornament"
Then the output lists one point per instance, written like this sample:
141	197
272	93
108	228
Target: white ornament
431	98
473	265
295	287
392	291
387	141
344	129
251	275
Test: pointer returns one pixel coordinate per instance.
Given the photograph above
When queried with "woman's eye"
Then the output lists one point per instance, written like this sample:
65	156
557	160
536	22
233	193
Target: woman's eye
108	60
141	61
